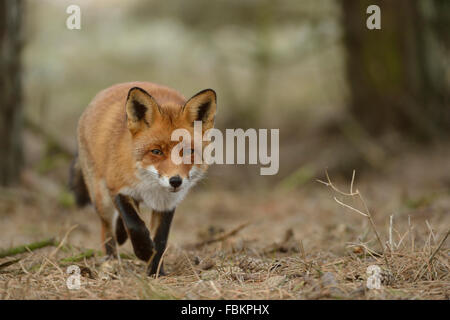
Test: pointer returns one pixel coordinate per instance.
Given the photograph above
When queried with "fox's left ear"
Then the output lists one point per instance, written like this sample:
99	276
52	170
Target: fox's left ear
202	107
142	110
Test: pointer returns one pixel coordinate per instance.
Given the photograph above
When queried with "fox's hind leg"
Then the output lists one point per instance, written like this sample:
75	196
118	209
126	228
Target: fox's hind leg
109	243
93	187
105	209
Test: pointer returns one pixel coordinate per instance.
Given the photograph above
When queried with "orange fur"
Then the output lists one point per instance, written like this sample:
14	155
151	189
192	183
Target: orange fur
112	144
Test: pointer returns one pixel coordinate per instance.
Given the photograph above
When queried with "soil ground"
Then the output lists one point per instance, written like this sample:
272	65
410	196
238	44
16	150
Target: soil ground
298	244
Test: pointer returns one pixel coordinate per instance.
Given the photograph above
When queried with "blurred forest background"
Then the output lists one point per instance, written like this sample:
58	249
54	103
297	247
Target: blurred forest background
343	97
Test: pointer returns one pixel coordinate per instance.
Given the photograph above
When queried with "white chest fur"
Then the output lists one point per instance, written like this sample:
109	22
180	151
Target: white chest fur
154	190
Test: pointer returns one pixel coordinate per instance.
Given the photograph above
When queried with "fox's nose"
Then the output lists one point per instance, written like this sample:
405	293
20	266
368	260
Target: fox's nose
175	181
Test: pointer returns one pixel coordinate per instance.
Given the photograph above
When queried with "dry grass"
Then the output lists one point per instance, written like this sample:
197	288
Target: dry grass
298	244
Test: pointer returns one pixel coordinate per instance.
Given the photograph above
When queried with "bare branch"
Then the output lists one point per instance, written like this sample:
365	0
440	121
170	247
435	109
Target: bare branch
365	214
350	207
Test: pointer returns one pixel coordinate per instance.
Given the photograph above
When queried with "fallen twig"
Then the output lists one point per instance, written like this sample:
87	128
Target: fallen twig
8	263
85	254
28	247
223	236
89	253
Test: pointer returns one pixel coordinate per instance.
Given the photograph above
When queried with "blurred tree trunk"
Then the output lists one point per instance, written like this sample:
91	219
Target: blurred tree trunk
397	74
10	91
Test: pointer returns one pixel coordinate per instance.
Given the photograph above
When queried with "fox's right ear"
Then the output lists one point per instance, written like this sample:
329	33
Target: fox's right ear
141	108
202	107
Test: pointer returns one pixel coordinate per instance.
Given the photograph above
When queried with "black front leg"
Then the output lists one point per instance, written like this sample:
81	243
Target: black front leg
137	231
160	224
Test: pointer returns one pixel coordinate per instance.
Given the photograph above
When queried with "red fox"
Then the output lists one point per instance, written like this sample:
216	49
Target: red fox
124	160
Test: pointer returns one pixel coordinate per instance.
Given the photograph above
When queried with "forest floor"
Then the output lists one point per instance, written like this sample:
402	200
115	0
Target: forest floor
250	244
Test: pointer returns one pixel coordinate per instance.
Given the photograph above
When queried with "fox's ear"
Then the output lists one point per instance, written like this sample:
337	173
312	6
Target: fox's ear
201	107
141	109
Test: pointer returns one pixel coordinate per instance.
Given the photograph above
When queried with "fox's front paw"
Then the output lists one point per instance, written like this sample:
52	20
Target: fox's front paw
152	269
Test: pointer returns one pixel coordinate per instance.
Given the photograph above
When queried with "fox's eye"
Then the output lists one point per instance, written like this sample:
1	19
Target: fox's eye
157	152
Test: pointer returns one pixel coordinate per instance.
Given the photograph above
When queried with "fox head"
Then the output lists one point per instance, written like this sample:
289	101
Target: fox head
151	125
